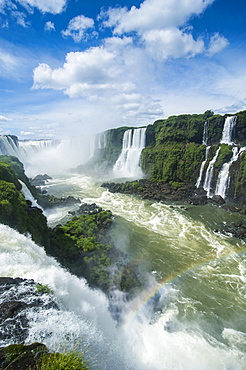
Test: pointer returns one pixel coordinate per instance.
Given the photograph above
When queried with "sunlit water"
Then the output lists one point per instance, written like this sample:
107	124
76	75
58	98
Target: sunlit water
190	316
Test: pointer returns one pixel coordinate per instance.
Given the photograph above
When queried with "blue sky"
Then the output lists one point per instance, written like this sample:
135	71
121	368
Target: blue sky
69	67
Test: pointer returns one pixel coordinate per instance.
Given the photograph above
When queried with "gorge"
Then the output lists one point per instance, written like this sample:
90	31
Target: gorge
189	312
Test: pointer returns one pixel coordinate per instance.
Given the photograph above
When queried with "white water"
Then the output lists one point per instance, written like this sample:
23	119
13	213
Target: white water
199	180
28	195
230	123
53	156
166	332
205	134
8	146
223	177
209	174
128	163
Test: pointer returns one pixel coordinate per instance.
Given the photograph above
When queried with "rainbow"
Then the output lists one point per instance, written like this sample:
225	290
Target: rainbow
150	293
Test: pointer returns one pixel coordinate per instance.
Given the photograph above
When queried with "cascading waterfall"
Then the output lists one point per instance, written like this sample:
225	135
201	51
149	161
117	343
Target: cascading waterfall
199	180
128	163
204	142
223	177
9	145
209	174
229	125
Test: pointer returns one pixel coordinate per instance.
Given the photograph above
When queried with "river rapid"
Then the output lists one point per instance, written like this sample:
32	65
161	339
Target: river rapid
189	316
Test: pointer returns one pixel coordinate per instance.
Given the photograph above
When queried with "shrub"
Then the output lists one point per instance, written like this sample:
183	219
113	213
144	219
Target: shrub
62	361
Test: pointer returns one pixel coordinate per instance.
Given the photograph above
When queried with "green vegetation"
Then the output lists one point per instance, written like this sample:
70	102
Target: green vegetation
241	178
224	155
62	361
37	357
77	245
240	132
20	356
43	288
173	161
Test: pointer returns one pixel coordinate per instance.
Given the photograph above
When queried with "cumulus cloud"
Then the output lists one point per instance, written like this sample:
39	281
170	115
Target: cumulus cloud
161	27
94	66
49	26
77	28
171	43
3	118
153	14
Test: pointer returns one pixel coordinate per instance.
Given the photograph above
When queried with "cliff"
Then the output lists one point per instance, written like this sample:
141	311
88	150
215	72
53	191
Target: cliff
176	148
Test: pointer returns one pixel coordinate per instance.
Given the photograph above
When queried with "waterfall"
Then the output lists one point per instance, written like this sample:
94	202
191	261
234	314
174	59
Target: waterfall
209	174
205	134
9	145
199	180
227	130
28	195
102	140
223	178
128	163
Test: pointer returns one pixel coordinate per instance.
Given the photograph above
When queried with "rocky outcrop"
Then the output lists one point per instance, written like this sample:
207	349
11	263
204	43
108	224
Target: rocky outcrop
17	296
21	357
152	190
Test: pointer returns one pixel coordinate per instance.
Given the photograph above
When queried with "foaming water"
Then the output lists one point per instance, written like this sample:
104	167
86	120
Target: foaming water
142	340
190	316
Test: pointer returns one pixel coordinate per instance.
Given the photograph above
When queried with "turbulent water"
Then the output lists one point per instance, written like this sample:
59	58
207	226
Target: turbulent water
190	315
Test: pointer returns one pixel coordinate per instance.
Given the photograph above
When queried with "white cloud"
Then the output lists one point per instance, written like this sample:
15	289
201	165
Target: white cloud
3	118
51	6
8	63
162	27
94	66
153	14
217	43
77	28
49	26
171	43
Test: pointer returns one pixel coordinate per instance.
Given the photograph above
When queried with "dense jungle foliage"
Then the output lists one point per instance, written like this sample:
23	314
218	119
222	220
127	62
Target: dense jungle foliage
175	150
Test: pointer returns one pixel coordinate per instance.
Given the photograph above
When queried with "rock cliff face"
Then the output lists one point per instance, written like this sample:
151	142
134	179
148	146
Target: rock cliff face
182	148
206	151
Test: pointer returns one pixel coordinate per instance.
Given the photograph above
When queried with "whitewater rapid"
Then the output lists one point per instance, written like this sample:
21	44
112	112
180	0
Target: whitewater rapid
191	314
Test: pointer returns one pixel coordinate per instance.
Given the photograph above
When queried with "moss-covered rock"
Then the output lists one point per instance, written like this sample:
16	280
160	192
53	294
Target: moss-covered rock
36	356
173	161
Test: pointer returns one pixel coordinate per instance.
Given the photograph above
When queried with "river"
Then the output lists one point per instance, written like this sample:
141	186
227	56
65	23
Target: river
190	315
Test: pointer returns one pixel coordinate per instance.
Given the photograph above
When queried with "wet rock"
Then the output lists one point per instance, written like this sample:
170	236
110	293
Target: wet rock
17	296
199	200
40	180
87	208
20	356
218	199
153	190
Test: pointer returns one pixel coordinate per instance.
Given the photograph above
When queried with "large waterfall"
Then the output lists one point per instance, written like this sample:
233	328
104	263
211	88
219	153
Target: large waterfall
128	163
9	145
230	123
